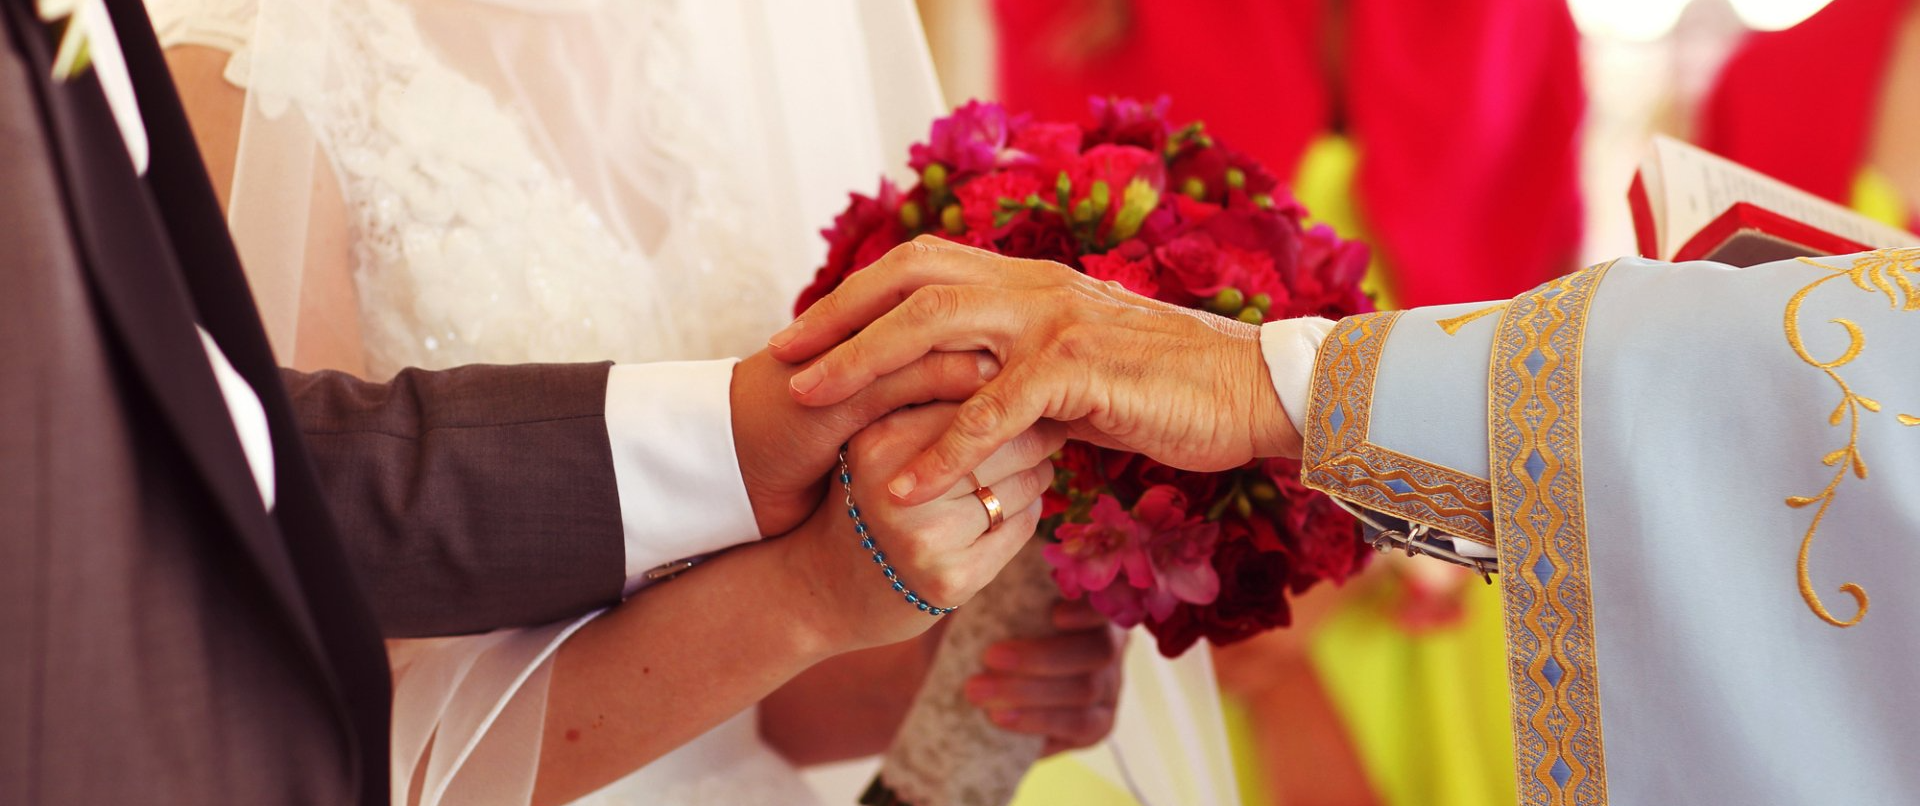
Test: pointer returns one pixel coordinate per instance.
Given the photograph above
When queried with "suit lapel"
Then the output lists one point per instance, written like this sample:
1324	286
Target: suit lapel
197	229
136	280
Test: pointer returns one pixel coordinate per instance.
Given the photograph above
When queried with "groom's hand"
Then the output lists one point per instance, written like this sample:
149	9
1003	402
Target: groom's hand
1187	388
785	449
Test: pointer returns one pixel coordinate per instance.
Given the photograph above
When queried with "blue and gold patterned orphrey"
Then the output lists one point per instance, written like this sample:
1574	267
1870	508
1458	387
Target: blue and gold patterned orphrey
1533	418
1339	459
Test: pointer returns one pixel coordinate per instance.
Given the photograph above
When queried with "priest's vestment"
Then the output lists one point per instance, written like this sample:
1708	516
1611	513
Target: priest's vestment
1702	486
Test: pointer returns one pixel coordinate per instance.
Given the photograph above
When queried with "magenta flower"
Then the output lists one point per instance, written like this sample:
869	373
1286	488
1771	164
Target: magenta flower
974	139
1126	121
1090	556
1180	550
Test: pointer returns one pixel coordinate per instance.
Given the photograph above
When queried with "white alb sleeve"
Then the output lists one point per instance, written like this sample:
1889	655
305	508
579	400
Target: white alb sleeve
1289	346
670	425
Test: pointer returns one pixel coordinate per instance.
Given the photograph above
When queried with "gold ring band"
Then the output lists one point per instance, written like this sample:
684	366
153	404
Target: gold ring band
995	515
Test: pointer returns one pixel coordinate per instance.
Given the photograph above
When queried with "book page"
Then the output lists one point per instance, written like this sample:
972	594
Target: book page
1699	186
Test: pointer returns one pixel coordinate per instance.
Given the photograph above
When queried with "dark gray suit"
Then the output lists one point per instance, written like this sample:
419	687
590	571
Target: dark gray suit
163	638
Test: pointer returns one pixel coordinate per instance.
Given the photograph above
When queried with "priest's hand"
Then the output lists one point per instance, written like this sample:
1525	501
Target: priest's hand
785	449
1185	387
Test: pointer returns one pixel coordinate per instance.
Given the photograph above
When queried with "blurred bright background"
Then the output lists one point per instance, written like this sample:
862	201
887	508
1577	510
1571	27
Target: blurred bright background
1482	146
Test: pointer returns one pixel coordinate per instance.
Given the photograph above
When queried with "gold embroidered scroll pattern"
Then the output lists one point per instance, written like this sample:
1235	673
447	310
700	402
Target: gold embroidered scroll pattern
1892	272
1340	461
1539	510
1453	325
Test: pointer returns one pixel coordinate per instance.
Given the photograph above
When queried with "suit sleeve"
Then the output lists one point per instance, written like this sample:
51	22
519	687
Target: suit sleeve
473	498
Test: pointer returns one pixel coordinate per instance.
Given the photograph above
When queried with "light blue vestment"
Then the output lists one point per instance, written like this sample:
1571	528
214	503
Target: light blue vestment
1703	486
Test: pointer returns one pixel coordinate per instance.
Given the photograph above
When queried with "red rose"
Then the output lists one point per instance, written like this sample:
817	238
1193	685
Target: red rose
1135	273
867	229
1203	267
1050	147
1193	212
1331	270
1203	169
1125	121
1258	231
1040	237
1325	539
980	199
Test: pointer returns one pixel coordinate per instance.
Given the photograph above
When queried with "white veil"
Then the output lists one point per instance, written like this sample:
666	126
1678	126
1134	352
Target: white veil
812	117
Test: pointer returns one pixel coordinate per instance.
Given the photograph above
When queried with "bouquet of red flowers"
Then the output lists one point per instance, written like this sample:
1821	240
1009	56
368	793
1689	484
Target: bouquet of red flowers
1170	213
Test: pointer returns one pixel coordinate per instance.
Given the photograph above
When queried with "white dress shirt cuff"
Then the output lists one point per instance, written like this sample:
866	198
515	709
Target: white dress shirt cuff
681	495
1289	346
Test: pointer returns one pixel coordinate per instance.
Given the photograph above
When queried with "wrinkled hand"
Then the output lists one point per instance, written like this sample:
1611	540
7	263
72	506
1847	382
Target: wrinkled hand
941	550
785	448
1064	686
1185	387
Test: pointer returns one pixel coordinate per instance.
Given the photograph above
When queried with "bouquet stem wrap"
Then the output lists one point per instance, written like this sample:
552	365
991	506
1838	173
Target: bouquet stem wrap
947	753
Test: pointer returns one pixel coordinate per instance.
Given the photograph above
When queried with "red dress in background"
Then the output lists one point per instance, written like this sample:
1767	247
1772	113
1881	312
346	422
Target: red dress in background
1465	113
1801	104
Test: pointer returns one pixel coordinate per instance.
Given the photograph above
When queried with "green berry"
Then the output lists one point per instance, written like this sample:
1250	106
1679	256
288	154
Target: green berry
1194	188
951	219
1252	316
935	178
1262	301
1236	179
911	216
1228	302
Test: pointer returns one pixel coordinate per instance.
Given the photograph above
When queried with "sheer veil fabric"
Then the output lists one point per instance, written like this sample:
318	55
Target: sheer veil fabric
560	180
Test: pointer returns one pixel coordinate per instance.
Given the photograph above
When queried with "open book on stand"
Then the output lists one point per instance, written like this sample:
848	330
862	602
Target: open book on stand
1690	204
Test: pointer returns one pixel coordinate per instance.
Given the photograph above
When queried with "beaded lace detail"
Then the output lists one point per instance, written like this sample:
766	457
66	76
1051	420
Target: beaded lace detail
470	245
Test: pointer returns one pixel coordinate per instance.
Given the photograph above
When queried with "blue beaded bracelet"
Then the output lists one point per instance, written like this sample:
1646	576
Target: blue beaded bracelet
880	559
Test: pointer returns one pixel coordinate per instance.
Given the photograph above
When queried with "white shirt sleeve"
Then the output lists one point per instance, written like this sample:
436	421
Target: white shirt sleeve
681	495
1289	346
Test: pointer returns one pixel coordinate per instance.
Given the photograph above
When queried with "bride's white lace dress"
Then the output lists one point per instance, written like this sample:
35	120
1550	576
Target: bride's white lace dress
556	180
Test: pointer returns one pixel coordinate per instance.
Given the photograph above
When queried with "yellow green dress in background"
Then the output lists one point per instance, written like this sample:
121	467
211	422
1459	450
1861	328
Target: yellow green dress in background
1428	712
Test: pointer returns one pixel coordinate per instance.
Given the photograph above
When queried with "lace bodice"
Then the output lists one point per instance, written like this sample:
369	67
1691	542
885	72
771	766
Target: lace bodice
563	180
532	181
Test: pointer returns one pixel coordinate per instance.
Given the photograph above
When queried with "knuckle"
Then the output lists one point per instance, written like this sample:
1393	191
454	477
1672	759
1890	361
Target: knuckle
1035	480
933	302
981	415
945	590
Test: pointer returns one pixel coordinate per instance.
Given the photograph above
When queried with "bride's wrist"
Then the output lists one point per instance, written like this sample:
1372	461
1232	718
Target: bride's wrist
808	589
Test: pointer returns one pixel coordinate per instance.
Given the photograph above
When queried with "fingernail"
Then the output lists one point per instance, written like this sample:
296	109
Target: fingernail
808	379
1000	657
989	366
979	690
902	485
786	335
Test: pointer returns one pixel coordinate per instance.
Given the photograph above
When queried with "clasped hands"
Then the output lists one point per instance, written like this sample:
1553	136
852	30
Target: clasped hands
1036	353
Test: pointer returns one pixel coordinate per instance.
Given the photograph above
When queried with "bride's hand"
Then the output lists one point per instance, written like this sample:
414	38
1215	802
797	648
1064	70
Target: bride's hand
1064	686
785	448
940	550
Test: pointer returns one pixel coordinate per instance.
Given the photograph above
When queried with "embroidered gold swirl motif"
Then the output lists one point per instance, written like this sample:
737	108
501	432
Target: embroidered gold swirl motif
1539	508
1891	272
1340	461
1453	325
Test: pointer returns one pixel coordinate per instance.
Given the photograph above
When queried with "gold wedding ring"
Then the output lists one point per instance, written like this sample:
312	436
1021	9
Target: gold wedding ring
995	515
